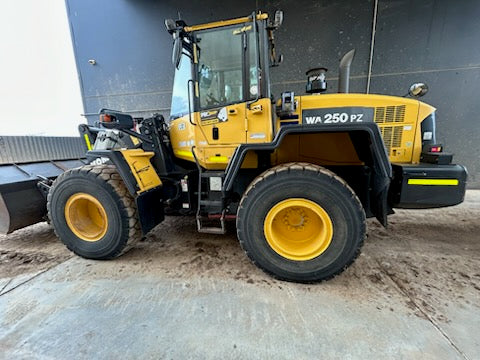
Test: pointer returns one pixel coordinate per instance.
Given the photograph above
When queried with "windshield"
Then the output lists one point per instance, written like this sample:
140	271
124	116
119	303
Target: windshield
183	74
227	70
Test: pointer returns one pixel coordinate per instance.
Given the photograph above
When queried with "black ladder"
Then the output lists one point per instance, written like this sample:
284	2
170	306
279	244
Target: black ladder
207	181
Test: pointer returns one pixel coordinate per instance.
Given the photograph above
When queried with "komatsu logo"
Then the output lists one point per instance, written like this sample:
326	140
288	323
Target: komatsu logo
99	161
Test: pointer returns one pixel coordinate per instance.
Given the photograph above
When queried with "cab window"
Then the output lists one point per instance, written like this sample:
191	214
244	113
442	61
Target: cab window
181	87
220	68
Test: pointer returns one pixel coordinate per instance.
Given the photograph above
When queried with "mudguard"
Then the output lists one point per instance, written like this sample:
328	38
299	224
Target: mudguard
148	197
364	136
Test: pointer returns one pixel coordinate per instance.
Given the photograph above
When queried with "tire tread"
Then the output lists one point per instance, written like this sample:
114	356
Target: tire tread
108	175
302	166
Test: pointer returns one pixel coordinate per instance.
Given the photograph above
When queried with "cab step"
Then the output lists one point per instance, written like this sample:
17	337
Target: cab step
211	199
211	203
209	229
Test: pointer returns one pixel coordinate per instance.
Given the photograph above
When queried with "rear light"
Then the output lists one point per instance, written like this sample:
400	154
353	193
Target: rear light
435	149
433	154
105	118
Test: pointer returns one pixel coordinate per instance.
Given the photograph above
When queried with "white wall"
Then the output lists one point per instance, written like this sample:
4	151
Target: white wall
39	88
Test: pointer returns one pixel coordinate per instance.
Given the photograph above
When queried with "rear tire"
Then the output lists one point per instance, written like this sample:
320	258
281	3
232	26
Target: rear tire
93	213
301	222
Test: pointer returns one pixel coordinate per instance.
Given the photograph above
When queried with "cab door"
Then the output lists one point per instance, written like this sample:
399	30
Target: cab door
221	90
224	125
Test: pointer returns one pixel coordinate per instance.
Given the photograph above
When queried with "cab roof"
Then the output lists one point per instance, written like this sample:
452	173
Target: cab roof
221	23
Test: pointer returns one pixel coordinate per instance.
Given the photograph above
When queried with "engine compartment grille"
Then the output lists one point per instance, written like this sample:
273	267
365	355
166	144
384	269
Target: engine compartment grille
386	117
392	136
390	114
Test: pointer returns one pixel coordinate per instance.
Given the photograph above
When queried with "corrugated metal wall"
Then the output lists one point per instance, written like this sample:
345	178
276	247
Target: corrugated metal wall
22	149
433	41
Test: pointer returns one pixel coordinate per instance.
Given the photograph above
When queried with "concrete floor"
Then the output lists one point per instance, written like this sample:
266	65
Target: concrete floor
413	293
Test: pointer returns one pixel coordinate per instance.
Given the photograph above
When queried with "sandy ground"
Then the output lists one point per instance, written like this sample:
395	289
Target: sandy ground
423	272
432	256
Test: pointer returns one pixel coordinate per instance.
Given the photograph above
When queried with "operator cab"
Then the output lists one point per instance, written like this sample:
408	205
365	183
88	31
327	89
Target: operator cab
220	64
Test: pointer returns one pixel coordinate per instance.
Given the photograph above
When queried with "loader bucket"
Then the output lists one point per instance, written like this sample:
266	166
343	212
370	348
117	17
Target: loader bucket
21	201
21	205
24	162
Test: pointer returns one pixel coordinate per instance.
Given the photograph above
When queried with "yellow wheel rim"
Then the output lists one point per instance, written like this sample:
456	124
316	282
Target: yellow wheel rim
86	217
298	229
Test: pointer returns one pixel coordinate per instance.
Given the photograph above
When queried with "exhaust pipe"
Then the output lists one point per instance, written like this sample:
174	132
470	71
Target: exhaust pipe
344	73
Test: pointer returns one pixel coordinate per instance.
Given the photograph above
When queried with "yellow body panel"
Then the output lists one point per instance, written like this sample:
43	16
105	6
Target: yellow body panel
143	171
215	157
424	110
259	122
241	125
399	120
396	117
230	131
182	137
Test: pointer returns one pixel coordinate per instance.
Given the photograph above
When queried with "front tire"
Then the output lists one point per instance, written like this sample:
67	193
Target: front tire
93	213
301	222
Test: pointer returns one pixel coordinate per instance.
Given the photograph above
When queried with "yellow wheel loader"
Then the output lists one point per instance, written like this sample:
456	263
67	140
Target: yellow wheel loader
299	173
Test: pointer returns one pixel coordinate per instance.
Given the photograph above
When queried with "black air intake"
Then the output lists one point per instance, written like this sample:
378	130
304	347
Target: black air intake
344	74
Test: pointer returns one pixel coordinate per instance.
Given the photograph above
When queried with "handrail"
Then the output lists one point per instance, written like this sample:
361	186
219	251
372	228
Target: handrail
189	103
257	64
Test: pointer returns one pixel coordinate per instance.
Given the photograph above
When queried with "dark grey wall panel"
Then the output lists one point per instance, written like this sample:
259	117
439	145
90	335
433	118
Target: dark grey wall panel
433	41
454	96
319	33
427	35
133	72
132	50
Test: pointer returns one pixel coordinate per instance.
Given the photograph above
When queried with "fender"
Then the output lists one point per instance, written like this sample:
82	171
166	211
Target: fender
99	157
360	134
142	183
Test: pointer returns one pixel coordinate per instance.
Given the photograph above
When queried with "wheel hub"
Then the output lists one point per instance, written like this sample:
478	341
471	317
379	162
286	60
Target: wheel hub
298	229
295	219
86	217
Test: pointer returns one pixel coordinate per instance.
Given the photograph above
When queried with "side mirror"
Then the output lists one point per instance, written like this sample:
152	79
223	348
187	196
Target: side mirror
277	62
280	59
418	90
115	120
278	19
177	49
